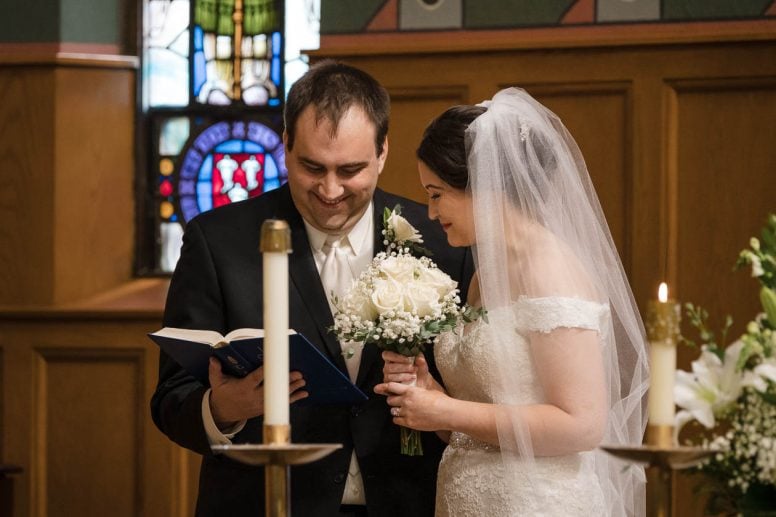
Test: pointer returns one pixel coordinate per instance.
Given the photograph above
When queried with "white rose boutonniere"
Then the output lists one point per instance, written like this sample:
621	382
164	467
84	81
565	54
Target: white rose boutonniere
399	233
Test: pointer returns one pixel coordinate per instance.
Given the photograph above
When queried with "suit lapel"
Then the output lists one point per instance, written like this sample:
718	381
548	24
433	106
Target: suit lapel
307	282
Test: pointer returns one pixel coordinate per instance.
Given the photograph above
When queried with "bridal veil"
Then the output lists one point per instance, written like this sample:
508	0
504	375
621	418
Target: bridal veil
541	234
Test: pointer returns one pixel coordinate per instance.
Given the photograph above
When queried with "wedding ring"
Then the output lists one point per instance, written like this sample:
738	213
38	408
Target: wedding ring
395	411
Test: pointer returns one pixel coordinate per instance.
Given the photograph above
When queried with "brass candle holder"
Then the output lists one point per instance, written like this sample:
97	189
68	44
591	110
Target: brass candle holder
660	453
661	457
277	454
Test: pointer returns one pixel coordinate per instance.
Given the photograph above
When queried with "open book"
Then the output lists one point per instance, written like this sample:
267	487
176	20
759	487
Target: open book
241	351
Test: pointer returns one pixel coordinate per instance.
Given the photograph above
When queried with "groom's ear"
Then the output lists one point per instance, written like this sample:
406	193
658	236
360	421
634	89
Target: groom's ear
383	156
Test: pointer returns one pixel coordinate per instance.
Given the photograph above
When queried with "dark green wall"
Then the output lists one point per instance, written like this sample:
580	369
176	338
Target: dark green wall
30	20
90	21
108	22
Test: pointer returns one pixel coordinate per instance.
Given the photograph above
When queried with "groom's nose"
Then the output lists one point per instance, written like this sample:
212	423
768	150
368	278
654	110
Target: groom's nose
330	186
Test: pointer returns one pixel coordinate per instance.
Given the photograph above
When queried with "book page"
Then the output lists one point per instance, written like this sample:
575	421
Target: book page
209	337
249	333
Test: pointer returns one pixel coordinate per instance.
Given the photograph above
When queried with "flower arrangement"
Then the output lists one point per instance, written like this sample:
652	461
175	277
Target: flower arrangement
400	302
731	393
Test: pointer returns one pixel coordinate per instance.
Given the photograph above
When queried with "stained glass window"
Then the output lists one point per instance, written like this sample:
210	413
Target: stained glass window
213	83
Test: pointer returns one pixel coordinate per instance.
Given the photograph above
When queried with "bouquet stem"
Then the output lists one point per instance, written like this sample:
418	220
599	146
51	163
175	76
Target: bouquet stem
411	445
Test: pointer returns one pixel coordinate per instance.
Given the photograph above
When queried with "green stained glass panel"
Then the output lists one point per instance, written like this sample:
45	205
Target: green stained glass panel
173	135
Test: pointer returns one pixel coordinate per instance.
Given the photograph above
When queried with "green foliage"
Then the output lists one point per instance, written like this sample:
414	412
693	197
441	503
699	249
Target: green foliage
698	317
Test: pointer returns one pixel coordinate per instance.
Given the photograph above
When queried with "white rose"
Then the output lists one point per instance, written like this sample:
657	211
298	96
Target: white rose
399	268
437	279
403	231
360	305
387	295
424	299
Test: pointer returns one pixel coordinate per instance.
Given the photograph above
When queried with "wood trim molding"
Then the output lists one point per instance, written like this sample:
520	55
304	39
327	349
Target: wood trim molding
627	34
428	92
140	299
66	54
669	188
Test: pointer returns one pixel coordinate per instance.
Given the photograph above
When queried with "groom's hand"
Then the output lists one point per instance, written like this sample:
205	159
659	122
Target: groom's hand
399	368
233	399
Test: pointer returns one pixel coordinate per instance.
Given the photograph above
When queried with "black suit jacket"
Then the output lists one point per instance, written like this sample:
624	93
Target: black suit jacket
217	285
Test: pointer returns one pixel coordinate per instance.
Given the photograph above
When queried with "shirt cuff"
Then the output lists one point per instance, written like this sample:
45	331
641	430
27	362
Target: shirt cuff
214	435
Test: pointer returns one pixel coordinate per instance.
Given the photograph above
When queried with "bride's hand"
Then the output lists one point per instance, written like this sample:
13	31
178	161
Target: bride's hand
400	368
415	407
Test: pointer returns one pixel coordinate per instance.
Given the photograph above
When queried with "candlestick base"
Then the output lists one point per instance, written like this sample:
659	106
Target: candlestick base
663	460
276	454
672	458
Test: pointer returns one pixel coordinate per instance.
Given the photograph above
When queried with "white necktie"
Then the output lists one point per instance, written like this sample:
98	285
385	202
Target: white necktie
337	276
335	271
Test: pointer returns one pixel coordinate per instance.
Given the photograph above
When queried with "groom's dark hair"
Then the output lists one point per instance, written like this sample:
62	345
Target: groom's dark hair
443	146
332	88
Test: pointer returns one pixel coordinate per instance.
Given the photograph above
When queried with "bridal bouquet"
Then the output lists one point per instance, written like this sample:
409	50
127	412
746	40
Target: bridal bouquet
731	393
400	302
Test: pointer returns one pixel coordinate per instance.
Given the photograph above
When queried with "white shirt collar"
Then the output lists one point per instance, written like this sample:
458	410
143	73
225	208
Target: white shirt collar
358	237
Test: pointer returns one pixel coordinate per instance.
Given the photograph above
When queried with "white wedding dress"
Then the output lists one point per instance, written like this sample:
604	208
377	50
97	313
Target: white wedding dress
473	478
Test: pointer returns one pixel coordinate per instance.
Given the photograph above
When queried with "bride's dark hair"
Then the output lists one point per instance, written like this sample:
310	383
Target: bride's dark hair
443	146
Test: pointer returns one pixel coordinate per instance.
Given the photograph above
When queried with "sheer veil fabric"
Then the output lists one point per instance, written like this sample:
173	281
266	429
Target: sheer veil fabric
541	234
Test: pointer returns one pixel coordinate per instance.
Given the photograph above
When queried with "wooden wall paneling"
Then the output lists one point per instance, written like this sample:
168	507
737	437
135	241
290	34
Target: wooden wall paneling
649	231
94	178
722	164
76	401
26	192
411	111
19	421
90	407
724	167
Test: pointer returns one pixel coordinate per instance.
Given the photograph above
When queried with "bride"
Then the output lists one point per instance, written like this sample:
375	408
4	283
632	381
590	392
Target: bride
559	364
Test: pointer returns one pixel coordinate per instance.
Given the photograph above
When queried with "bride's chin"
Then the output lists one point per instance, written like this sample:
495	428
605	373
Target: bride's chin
458	243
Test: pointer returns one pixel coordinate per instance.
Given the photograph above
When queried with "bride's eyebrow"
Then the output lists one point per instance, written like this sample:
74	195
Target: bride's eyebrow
432	186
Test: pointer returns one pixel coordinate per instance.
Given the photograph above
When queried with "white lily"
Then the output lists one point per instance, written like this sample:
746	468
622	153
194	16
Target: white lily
762	373
711	387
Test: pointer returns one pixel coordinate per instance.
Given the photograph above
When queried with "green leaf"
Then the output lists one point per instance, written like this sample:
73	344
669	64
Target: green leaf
768	397
768	300
746	352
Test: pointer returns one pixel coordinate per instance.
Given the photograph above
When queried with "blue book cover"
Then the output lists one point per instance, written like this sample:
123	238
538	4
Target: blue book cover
241	351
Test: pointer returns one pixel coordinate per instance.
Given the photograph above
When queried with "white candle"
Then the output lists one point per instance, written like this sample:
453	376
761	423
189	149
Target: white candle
662	331
275	301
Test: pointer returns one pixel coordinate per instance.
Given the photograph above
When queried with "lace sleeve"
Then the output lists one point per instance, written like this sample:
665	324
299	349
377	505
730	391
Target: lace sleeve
548	314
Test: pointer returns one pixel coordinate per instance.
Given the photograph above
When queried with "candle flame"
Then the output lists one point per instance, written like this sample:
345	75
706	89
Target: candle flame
662	292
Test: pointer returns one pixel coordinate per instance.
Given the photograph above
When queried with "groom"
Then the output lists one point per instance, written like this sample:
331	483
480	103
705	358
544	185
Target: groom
336	144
